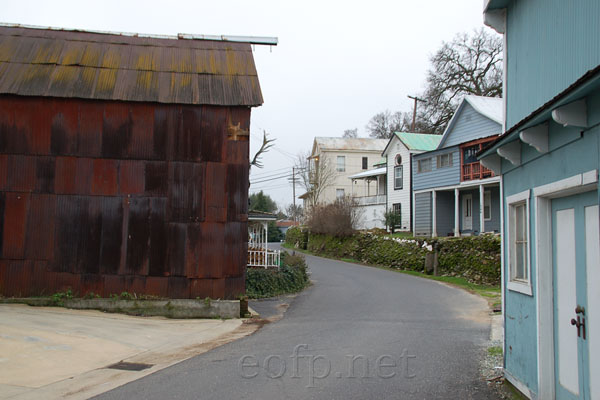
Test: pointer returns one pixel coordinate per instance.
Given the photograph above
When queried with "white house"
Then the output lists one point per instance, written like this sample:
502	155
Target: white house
399	152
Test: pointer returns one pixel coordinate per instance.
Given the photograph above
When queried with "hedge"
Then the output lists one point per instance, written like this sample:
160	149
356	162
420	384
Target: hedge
476	258
291	277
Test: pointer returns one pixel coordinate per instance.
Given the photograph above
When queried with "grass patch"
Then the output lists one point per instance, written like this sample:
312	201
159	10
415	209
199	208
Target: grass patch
495	350
403	235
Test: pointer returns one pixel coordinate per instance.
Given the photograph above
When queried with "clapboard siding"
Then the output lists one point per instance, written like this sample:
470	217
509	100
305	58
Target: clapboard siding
447	176
493	225
403	195
471	125
423	214
551	44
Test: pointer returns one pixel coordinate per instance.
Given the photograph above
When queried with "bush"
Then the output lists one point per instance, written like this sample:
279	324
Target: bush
291	277
339	218
297	237
476	258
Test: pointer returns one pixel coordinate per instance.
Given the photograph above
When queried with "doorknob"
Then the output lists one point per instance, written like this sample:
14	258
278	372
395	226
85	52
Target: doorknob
580	326
580	309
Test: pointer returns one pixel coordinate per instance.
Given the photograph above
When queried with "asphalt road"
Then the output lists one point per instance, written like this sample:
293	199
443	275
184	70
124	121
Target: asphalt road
357	333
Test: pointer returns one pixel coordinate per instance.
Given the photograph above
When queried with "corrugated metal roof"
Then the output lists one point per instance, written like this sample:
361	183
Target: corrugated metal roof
363	144
54	63
491	107
419	141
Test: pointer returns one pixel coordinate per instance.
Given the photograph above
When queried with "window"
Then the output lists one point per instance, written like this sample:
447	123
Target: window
518	243
444	160
365	163
341	163
487	205
424	165
398	159
470	154
339	193
397	207
398	177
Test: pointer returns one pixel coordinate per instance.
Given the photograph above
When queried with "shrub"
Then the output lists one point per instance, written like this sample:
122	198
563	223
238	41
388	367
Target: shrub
339	218
297	237
291	277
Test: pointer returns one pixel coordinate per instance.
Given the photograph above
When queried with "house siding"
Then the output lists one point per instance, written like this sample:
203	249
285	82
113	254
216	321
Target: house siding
551	43
471	125
566	144
402	196
423	214
441	177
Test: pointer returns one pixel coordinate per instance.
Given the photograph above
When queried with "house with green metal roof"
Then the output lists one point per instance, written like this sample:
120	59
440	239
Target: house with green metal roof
453	194
399	153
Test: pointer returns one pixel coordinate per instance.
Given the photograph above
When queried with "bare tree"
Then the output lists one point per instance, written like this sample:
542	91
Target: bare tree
294	212
469	64
384	124
316	175
350	133
266	145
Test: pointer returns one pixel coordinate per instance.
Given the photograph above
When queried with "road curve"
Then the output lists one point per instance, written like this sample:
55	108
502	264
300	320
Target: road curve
357	333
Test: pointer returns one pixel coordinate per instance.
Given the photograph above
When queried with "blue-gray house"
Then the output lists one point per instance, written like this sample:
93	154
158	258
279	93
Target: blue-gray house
548	160
453	193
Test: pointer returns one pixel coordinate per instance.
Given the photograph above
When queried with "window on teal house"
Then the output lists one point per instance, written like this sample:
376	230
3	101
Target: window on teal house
424	165
518	243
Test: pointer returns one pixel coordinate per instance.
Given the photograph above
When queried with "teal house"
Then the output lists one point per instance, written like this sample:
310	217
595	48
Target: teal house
548	161
453	193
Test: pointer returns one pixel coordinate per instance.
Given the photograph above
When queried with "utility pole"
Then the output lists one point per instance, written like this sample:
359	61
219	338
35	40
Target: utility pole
294	190
415	98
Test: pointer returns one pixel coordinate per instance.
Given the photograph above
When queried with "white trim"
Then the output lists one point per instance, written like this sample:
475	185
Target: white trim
462	185
511	151
537	137
543	196
433	213
521	286
572	114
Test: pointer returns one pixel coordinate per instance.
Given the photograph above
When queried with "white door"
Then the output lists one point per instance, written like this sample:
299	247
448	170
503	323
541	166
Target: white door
576	243
467	212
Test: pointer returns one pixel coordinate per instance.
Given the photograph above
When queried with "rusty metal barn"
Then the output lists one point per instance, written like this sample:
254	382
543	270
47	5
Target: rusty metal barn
123	163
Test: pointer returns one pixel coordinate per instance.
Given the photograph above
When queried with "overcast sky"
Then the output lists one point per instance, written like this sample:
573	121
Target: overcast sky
337	63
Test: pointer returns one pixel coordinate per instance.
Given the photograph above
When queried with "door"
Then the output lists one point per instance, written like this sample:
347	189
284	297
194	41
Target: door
576	269
467	206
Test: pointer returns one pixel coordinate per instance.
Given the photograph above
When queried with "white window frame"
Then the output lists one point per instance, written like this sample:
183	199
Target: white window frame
440	158
487	202
338	192
401	169
341	164
420	165
518	285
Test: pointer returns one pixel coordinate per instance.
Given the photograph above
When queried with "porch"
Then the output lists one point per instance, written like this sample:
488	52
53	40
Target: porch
259	255
374	203
467	209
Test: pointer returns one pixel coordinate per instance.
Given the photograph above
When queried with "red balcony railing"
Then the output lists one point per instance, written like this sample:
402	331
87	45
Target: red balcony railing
474	171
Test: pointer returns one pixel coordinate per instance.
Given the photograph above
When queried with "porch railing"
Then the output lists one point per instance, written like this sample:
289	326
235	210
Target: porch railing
474	171
264	258
370	200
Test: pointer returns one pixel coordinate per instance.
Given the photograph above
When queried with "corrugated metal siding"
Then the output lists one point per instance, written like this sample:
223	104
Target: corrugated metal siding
107	207
423	214
551	43
35	62
447	176
471	125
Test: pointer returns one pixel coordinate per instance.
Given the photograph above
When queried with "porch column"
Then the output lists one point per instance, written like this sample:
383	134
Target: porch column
481	214
266	225
456	213
434	213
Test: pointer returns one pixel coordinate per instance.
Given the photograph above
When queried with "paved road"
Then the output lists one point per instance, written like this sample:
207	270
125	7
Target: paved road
357	333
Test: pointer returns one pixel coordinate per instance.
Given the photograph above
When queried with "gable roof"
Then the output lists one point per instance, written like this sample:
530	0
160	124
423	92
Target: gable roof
352	144
490	107
89	65
416	141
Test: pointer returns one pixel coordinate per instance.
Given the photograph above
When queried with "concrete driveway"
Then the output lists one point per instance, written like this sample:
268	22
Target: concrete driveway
51	353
